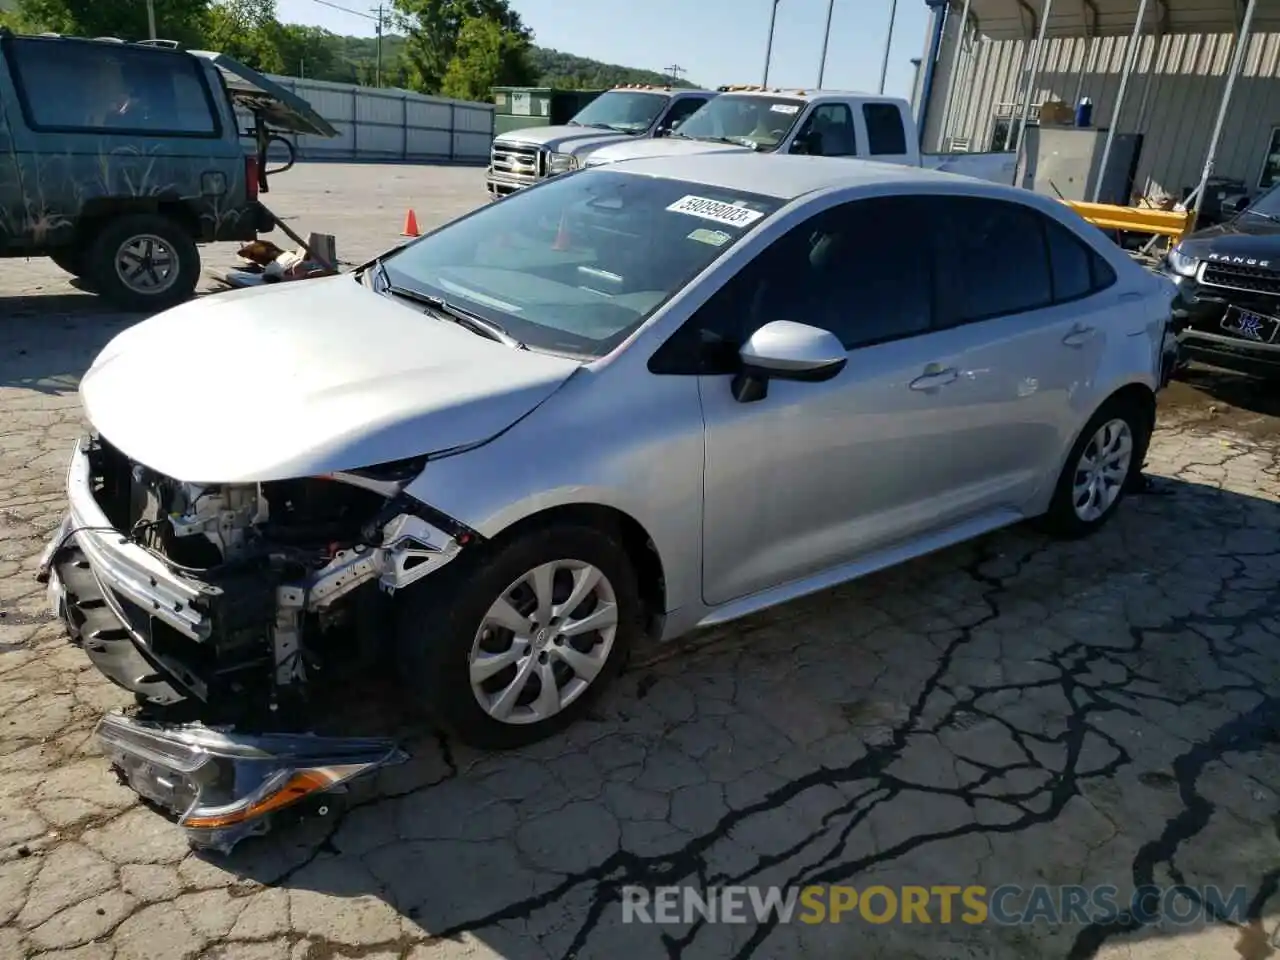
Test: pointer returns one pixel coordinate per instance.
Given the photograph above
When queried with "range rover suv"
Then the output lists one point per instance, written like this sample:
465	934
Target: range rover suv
1228	278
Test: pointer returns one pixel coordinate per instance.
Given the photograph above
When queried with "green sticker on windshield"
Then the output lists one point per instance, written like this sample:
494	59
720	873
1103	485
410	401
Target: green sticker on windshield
717	238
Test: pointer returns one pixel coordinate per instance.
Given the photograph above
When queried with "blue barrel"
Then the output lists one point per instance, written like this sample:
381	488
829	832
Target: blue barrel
1084	112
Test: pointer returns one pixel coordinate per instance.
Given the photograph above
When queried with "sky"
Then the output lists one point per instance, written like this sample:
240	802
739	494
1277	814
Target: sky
715	41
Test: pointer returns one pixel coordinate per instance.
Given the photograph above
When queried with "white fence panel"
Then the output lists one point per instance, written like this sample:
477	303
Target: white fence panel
390	124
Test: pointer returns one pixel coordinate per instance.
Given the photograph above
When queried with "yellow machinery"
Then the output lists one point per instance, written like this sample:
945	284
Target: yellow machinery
1167	223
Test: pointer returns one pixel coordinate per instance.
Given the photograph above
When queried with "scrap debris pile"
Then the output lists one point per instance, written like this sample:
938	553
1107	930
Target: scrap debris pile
267	263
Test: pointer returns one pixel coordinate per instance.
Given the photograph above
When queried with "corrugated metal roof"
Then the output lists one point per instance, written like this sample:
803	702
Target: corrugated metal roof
1014	19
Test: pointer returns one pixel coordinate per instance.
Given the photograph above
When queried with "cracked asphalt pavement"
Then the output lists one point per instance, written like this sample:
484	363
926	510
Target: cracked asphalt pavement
1013	711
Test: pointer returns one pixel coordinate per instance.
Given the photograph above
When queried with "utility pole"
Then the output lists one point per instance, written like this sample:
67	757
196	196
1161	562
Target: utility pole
377	70
826	37
674	71
888	42
151	18
768	50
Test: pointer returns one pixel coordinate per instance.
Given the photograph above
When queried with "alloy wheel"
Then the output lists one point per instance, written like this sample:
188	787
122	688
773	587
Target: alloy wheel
1101	472
147	264
543	642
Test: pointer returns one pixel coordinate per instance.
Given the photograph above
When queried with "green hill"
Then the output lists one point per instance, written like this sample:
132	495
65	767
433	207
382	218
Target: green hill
353	61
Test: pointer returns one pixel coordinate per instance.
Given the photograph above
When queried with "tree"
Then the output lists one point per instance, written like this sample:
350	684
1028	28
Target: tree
435	26
181	20
307	51
246	30
486	55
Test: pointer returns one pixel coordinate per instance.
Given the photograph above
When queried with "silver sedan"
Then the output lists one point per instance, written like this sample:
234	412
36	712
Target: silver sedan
623	404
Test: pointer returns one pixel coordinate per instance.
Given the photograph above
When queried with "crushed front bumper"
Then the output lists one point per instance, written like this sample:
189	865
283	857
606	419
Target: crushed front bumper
145	627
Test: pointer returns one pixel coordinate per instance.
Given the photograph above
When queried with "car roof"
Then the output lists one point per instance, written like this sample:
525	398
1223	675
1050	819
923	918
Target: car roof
783	176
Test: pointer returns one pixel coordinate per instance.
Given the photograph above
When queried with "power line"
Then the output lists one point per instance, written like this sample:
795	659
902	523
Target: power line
380	20
355	13
674	71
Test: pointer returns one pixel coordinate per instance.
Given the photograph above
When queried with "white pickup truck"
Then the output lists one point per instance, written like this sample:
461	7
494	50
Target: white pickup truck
828	123
521	158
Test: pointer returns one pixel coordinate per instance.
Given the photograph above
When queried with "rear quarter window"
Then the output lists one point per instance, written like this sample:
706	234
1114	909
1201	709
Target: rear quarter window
111	88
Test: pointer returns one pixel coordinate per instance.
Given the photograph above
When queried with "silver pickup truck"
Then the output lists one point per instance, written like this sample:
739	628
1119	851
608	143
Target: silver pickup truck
830	123
634	112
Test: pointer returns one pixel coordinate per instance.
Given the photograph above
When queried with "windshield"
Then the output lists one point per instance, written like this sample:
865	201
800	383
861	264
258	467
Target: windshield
758	122
1267	205
576	264
623	110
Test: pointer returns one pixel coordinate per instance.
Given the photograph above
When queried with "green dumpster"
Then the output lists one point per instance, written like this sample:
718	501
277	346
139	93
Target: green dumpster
516	108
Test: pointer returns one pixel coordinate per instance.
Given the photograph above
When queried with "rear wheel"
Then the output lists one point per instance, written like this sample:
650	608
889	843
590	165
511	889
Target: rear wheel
144	262
510	650
1101	467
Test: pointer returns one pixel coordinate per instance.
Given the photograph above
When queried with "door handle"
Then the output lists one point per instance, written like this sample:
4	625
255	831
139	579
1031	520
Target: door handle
1078	336
934	378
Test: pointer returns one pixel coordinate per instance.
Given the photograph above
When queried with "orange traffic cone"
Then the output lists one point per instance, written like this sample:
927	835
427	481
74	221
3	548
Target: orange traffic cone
410	225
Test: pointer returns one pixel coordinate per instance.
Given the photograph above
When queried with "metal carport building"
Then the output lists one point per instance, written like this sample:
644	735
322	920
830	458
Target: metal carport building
1177	64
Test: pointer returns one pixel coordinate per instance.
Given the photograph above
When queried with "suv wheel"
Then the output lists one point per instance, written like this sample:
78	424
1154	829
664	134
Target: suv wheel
511	650
143	261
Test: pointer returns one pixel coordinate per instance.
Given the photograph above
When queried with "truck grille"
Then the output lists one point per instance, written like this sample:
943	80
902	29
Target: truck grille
1233	277
518	162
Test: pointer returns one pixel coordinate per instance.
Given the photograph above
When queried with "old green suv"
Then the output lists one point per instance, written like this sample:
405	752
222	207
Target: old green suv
117	159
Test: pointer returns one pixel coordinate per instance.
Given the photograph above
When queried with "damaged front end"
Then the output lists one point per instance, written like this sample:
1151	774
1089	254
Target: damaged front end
226	610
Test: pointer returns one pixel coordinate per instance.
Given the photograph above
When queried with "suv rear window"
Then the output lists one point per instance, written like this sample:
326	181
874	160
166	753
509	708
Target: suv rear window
110	88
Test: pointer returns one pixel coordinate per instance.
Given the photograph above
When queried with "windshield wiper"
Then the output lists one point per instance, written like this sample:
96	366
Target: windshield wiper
463	318
1265	216
732	141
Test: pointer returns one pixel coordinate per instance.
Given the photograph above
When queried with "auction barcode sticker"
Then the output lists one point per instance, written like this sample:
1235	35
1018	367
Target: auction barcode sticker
729	214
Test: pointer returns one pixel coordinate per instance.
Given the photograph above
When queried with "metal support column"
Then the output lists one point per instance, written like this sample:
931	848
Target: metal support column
1236	61
826	38
1130	57
768	50
1033	74
956	61
1157	38
888	43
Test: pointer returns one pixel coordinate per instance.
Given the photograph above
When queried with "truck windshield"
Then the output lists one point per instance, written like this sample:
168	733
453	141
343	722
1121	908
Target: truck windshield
626	111
753	121
576	264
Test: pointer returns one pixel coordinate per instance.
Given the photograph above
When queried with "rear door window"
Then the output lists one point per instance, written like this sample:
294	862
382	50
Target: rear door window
885	134
992	259
111	88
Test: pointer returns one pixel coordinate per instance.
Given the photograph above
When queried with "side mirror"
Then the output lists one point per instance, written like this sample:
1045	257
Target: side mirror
783	350
1234	205
807	143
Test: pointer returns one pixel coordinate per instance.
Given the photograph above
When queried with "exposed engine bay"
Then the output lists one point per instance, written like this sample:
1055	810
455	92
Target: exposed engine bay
293	581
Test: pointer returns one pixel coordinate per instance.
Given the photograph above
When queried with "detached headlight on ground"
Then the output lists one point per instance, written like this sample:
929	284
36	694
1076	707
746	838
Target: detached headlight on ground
1181	264
561	163
224	787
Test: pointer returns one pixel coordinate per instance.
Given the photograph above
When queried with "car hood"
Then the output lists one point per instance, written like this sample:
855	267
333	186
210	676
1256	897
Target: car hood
564	139
305	378
661	147
1252	241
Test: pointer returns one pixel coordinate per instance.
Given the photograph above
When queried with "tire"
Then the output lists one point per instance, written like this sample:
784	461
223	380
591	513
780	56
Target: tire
123	244
443	619
71	260
1121	416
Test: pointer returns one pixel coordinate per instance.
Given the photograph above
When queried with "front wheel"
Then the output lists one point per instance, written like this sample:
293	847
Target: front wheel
1103	463
512	649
